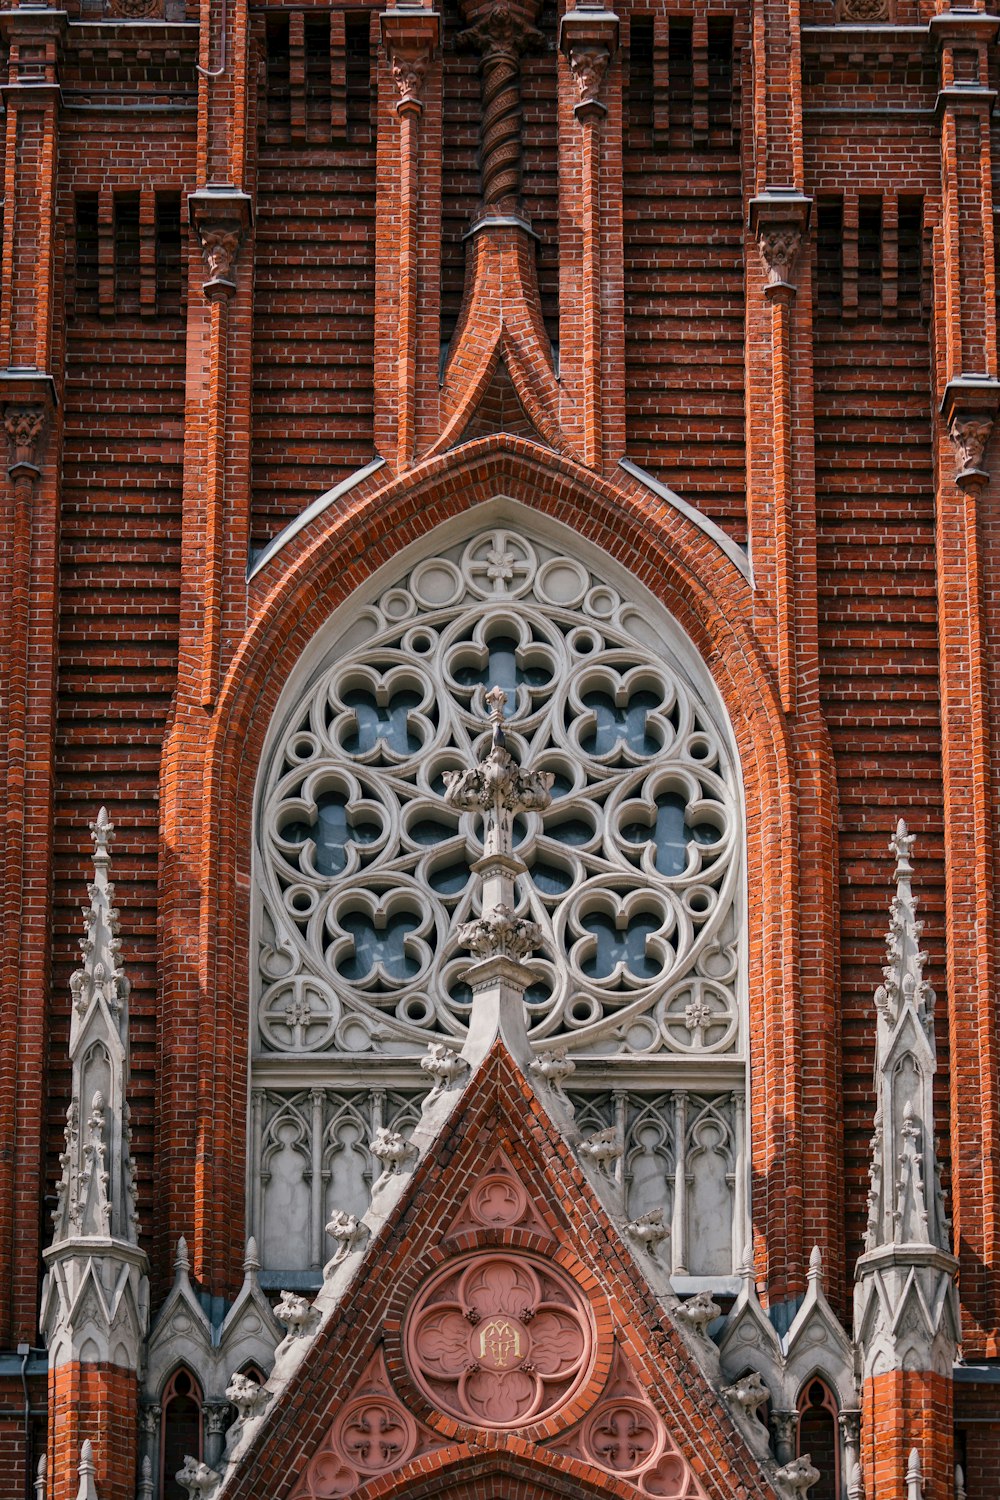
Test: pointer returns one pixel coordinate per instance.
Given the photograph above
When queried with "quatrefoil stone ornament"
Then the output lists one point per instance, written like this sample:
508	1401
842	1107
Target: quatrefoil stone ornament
500	1339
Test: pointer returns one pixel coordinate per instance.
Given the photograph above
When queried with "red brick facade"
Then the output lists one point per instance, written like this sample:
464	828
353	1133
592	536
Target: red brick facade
243	257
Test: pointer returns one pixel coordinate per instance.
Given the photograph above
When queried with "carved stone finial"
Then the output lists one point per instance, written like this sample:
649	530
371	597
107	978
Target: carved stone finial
749	1392
347	1232
699	1311
444	1065
145	1489
198	1479
248	1397
297	1315
799	1475
251	1258
816	1264
555	1067
88	1485
914	1477
906	1275
602	1149
649	1231
182	1261
42	1477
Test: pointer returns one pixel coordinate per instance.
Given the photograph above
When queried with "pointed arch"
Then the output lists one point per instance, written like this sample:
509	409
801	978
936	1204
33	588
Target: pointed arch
205	887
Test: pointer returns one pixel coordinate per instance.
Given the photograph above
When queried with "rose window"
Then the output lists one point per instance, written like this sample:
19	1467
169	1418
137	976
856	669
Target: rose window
362	869
499	1340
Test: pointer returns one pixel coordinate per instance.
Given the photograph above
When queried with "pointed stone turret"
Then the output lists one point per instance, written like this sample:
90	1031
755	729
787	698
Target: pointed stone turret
95	1300
906	1317
499	939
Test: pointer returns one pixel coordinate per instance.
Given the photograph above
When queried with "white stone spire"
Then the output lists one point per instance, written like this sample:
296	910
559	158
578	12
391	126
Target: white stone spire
499	939
96	1232
907	1262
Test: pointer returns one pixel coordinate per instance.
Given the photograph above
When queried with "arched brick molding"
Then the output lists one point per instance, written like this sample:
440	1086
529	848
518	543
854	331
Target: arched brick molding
207	802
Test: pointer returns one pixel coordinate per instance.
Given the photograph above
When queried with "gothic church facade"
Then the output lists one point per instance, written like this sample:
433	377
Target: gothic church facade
500	643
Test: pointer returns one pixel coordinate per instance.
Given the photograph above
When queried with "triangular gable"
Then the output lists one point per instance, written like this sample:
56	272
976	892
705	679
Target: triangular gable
538	1337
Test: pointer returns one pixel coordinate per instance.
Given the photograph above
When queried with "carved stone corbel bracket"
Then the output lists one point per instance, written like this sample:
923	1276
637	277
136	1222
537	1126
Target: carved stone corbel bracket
410	35
28	399
969	409
779	218
588	36
221	217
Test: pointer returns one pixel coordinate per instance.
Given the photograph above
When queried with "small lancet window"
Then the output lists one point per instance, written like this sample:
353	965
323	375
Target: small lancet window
181	1430
819	1438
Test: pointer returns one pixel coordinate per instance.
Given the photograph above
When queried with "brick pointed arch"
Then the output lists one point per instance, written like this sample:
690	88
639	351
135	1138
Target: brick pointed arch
207	796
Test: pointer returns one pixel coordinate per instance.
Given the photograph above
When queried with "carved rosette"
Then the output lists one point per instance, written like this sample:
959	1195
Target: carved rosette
499	1339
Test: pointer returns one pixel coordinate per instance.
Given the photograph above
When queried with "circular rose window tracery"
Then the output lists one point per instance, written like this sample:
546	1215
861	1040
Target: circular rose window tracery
499	1339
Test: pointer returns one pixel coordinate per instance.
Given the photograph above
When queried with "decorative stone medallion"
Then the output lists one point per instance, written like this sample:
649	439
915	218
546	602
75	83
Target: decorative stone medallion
499	1339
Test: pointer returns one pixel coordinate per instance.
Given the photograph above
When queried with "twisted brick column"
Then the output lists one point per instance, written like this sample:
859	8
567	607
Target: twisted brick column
501	31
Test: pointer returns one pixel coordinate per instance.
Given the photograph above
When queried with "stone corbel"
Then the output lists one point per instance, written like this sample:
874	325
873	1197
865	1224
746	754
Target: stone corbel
969	409
221	217
28	399
779	218
588	36
410	35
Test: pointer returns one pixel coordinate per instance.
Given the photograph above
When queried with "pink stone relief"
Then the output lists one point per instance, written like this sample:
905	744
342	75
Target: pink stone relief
500	1339
371	1434
625	1436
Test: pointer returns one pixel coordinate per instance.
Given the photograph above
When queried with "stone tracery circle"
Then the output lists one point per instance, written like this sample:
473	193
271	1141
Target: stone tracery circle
362	871
499	1339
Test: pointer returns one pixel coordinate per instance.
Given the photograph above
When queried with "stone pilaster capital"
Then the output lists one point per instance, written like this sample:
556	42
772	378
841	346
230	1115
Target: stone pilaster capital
221	217
969	409
588	37
779	218
410	35
27	399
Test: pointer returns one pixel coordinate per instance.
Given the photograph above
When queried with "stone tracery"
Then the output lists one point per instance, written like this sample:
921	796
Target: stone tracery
363	854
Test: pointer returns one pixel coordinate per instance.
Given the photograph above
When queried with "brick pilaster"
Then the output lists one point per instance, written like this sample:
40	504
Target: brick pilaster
29	527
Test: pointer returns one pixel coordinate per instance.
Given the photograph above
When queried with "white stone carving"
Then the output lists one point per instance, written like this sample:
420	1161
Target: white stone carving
95	1299
749	1393
444	1065
799	1475
371	814
649	1231
144	1490
248	1397
905	1301
88	1485
183	1334
555	1067
42	1477
603	1149
392	1149
290	1132
198	1479
297	1314
683	1155
699	1311
914	1477
347	1232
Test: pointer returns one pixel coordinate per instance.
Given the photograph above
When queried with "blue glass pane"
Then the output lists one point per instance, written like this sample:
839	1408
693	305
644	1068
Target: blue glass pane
501	670
572	831
428	832
461	994
614	947
372	946
332	831
620	725
375	723
550	880
671	834
537	994
450	880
